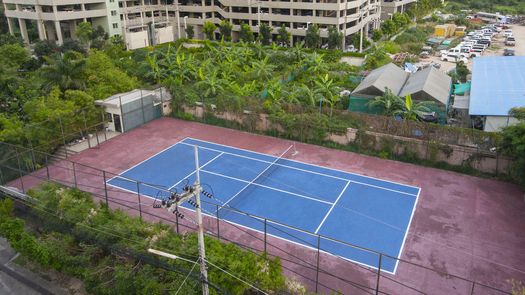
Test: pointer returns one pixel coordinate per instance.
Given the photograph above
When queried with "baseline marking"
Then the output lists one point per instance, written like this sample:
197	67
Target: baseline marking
307	171
304	163
331	208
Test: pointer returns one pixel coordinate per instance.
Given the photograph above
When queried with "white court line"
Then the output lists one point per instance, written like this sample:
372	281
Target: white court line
278	237
258	175
296	161
187	176
268	187
406	231
304	170
154	155
331	208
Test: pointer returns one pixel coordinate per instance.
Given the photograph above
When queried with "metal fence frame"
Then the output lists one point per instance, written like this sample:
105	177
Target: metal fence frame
81	176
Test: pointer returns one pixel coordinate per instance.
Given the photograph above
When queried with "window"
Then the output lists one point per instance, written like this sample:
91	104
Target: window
111	1
109	117
115	25
113	12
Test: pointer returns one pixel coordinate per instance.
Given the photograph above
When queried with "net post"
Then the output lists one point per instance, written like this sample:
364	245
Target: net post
105	187
138	196
74	175
265	233
378	273
317	266
217	218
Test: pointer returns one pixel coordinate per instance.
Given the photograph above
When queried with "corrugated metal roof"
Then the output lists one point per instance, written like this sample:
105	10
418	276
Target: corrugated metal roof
388	76
430	80
498	84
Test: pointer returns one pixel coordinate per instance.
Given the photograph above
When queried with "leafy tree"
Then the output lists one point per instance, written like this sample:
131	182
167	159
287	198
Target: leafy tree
72	45
10	39
413	111
209	30
356	40
283	36
388	103
225	28
117	40
388	27
377	35
66	72
13	56
246	34
307	95
104	79
313	37
335	38
84	33
99	38
513	144
265	34
400	20
262	69
45	48
190	32
210	83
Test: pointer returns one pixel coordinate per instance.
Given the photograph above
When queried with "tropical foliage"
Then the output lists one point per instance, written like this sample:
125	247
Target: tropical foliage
513	144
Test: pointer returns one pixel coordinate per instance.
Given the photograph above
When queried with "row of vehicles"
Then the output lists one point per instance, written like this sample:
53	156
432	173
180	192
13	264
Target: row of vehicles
476	42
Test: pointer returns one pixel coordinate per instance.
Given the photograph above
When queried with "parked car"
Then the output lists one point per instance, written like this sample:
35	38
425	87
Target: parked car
510	41
509	52
475	52
454	58
507	33
484	41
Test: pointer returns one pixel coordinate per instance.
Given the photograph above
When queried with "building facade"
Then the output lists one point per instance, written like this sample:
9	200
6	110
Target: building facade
57	20
150	22
389	7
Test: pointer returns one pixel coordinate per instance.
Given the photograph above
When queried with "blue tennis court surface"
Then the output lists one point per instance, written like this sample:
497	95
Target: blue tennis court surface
363	211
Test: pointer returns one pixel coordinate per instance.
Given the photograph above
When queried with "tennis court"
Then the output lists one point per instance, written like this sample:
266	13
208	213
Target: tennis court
364	211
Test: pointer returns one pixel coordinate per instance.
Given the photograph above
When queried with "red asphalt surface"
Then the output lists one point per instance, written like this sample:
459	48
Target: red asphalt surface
466	226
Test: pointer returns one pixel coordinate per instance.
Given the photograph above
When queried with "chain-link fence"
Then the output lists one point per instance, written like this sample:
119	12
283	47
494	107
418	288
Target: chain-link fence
322	270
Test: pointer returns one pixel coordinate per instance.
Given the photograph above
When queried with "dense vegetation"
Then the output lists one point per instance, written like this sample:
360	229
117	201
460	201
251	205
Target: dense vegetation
65	230
503	6
513	144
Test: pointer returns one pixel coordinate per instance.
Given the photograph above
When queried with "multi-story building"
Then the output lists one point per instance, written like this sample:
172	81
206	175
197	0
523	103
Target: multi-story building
57	19
150	22
389	7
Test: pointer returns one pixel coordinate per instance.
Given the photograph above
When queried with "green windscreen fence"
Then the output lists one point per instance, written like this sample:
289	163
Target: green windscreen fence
359	104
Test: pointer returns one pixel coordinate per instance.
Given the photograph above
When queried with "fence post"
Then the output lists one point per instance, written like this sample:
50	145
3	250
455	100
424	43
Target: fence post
138	196
472	289
47	168
142	107
378	273
317	267
63	136
105	187
86	130
217	218
19	170
74	175
265	222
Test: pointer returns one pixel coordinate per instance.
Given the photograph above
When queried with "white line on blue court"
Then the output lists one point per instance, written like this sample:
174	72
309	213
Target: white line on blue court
296	161
265	186
307	171
193	172
331	208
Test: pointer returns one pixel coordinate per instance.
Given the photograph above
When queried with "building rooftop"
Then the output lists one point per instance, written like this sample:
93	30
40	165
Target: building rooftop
133	95
498	84
431	81
388	76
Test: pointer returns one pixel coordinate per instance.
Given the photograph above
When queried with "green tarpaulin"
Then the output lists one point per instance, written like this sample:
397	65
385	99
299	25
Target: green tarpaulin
460	89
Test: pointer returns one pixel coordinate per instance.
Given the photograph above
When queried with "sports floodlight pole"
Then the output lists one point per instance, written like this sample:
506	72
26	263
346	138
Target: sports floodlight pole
176	200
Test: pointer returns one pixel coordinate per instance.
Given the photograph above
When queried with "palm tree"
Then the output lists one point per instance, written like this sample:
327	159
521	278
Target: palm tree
389	103
67	71
329	91
210	83
413	111
155	71
315	64
307	95
262	69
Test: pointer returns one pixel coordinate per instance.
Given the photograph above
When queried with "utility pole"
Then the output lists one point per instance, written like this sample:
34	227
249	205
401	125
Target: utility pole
176	200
